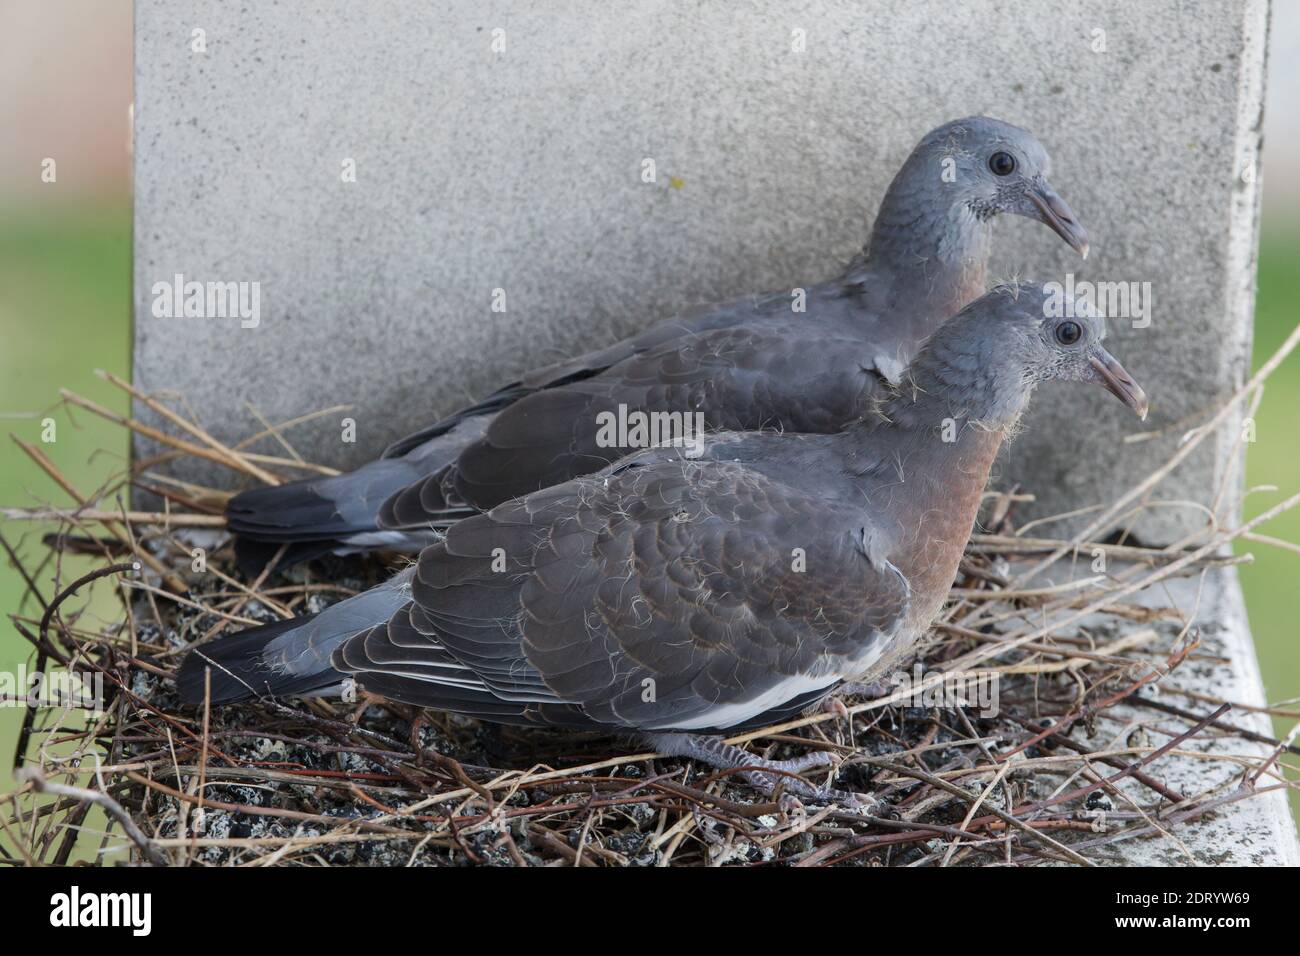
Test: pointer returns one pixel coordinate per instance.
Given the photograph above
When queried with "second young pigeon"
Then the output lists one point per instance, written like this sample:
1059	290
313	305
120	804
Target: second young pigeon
753	363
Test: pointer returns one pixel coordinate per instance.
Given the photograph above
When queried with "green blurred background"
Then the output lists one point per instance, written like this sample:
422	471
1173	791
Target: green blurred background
65	283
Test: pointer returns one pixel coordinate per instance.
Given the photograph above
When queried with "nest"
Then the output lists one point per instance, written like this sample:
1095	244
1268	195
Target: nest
1068	767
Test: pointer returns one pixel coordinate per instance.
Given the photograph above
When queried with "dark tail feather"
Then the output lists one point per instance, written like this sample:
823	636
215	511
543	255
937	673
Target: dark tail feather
240	671
251	556
313	509
339	513
314	516
288	658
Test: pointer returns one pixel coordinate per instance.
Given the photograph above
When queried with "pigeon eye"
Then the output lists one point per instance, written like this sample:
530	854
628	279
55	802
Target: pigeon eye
1002	163
1067	333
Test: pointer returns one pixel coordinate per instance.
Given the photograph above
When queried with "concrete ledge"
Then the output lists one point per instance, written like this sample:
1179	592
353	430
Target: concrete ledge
1255	831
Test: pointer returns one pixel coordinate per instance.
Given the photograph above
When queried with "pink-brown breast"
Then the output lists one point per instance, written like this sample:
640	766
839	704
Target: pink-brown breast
936	519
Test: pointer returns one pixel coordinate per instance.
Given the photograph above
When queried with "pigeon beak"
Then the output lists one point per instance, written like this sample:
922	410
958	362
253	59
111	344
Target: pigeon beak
1057	215
1118	382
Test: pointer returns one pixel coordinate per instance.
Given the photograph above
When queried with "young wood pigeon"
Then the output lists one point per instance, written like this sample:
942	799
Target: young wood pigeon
749	364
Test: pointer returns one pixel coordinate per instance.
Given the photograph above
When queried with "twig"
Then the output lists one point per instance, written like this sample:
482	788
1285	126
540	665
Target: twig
232	458
110	806
135	517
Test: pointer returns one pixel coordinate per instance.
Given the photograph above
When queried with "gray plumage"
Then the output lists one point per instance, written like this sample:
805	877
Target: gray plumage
749	364
670	596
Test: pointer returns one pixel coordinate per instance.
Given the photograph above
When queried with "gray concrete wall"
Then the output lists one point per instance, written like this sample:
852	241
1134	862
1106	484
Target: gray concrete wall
520	170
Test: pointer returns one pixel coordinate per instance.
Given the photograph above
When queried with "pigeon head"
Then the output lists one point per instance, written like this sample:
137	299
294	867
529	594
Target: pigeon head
984	364
931	233
1070	349
996	168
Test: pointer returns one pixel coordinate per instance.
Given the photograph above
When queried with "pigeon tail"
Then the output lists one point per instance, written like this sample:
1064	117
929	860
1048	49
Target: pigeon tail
319	509
287	658
340	514
252	557
318	516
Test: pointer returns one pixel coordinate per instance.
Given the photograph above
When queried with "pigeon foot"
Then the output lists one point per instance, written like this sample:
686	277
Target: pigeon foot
765	775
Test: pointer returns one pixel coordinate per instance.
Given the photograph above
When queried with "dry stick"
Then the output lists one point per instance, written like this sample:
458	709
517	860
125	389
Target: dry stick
72	822
44	647
115	643
72	588
18	566
1236	465
1178	569
292	423
1232	729
1000	544
1039	806
980	654
1059	516
72	830
138	701
1016	594
47	466
210	507
297	742
974	807
1282	747
181	444
1087	710
326	839
1180	427
203	753
275	433
198	491
327	779
1273	542
29	718
232	458
1060	740
554	842
255	811
17	839
129	529
173	581
1182	816
1153	479
865	843
177	599
251	593
253	589
956	791
198	451
94	514
1072	656
278	460
1236	704
114	809
1127	771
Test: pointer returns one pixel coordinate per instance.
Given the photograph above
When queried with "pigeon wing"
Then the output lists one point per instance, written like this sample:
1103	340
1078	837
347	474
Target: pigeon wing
744	378
659	595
